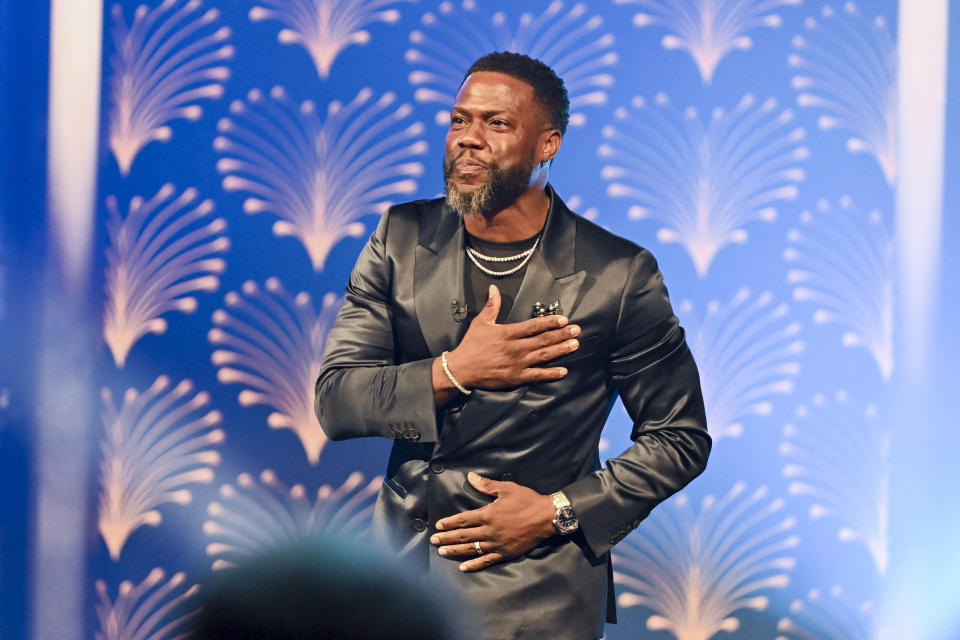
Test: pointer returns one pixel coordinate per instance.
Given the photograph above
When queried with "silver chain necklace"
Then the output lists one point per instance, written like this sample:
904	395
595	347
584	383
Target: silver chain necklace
473	254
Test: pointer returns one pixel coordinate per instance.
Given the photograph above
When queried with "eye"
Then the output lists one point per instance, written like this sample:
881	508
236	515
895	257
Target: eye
456	121
498	123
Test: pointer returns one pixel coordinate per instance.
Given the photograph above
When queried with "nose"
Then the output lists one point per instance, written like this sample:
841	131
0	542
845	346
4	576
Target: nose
471	137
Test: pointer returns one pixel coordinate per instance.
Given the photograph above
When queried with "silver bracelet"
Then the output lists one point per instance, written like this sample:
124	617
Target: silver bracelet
446	370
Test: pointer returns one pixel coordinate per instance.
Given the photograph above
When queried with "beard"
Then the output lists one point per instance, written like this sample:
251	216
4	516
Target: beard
502	188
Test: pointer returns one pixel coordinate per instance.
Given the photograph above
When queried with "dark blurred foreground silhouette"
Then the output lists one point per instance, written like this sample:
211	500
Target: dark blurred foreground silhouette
323	590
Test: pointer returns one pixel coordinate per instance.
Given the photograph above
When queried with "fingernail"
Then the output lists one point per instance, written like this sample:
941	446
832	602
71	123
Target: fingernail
573	344
439	527
462	567
563	320
443	551
574	330
435	539
563	371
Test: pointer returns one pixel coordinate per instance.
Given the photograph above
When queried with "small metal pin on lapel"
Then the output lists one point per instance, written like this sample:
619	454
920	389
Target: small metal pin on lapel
458	310
552	309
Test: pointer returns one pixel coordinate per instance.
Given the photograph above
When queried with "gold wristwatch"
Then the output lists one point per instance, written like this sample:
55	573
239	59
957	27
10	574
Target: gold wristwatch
564	519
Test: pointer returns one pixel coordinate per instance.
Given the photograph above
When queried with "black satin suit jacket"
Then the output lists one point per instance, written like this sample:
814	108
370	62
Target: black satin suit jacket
376	381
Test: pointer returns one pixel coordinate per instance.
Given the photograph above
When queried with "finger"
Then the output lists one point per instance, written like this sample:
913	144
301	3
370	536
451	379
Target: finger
551	337
486	485
459	536
473	518
533	326
542	374
546	354
481	562
491	309
466	549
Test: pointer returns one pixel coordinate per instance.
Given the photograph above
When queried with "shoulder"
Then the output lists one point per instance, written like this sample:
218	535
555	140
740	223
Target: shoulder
413	221
631	274
597	247
417	212
594	236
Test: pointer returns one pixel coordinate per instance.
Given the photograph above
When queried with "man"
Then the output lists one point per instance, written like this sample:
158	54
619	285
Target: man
494	479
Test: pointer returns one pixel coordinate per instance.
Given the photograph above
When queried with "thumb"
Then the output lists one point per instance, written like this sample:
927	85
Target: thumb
486	485
492	308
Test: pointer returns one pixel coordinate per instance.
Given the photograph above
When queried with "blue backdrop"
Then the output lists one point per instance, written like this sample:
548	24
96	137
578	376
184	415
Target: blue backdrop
246	151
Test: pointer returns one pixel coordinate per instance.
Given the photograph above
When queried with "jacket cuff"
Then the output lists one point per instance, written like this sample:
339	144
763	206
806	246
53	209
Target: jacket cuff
602	526
415	417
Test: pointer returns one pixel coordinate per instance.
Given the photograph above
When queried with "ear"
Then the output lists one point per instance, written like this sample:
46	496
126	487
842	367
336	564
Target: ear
549	145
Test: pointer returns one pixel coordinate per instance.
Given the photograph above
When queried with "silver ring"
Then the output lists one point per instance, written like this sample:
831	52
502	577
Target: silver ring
476	545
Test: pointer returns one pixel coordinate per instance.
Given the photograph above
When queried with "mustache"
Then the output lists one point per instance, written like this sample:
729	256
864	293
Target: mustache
463	155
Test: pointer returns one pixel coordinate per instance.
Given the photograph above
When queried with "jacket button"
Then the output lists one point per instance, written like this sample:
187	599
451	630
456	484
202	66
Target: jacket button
437	467
411	434
419	524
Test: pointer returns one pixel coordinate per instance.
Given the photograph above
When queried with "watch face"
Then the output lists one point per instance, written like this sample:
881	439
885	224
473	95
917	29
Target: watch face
566	520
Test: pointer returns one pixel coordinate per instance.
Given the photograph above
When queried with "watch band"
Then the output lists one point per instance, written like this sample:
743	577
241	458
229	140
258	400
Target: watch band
560	500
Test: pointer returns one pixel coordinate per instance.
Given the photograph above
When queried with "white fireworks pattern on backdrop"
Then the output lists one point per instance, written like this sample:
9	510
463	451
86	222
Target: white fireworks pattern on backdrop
705	183
845	66
325	27
707	29
319	177
837	456
150	610
164	63
696	570
257	514
271	343
821	616
576	203
157	444
747	351
164	249
571	40
842	260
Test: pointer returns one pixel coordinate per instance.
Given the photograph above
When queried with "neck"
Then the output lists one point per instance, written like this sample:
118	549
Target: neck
524	218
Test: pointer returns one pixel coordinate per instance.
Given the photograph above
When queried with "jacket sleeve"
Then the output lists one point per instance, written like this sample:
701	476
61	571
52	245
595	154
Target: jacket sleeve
654	373
362	390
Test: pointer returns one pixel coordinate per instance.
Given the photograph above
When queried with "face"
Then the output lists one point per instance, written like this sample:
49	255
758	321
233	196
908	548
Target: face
497	139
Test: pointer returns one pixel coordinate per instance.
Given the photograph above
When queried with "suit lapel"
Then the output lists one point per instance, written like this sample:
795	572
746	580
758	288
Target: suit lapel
549	276
541	285
438	283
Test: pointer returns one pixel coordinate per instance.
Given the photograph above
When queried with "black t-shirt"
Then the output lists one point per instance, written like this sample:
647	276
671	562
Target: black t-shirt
476	282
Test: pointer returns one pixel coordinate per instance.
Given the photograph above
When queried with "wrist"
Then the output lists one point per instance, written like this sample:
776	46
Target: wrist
440	380
548	527
454	379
